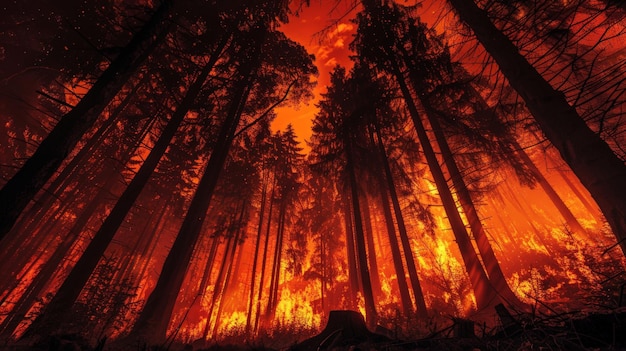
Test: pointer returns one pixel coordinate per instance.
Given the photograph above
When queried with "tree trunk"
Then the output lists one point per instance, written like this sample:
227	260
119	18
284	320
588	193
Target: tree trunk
484	292
41	166
217	288
72	286
323	263
403	287
18	248
353	275
38	210
359	236
547	242
396	255
223	277
153	321
54	262
256	259
143	244
229	272
591	208
569	217
149	250
591	159
105	189
278	249
18	261
492	266
404	237
371	248
208	267
264	262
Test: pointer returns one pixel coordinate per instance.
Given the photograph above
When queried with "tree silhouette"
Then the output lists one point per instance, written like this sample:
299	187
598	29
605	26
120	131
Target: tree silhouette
159	202
152	322
377	32
589	157
22	187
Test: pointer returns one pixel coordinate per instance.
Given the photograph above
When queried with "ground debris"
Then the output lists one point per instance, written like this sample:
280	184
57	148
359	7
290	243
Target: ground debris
346	331
522	332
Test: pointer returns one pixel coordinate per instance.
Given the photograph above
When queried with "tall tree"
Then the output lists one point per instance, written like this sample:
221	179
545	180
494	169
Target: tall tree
374	24
403	233
70	290
255	59
255	260
53	263
339	118
153	321
288	163
589	157
326	232
23	186
372	98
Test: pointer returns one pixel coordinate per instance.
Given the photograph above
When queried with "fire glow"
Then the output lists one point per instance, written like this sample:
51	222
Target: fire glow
224	196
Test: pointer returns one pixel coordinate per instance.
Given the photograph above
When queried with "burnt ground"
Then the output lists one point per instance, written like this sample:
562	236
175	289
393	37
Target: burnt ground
346	330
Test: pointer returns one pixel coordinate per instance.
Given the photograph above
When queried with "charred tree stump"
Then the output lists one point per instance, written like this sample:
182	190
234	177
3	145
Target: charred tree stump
343	329
463	328
510	325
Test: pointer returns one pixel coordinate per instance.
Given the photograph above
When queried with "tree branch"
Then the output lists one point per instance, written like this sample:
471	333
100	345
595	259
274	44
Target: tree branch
274	105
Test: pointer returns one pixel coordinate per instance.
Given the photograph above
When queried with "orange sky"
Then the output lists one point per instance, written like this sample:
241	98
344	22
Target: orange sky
329	50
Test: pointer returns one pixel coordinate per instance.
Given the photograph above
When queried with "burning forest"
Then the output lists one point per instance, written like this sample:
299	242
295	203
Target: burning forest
325	175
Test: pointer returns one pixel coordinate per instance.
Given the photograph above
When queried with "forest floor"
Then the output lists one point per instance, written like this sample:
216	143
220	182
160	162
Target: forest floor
568	331
597	332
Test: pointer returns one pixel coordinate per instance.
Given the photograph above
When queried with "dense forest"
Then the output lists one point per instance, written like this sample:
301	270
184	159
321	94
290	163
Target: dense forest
468	158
